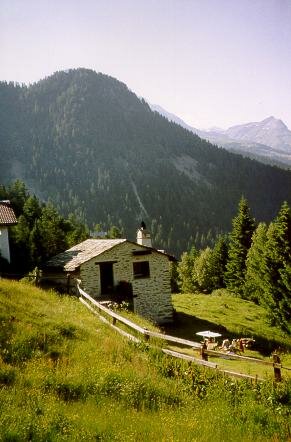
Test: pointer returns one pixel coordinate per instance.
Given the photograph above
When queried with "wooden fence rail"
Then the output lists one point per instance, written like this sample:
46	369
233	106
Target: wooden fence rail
99	308
239	357
144	331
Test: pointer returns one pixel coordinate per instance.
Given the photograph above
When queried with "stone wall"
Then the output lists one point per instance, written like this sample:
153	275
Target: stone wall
152	295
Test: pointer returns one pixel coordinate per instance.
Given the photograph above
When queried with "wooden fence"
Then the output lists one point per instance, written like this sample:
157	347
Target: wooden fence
98	308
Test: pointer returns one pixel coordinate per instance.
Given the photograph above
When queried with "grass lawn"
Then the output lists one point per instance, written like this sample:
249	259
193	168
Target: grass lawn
233	317
67	376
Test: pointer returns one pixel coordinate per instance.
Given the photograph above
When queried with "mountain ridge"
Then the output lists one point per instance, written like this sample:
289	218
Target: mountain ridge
85	141
270	131
266	140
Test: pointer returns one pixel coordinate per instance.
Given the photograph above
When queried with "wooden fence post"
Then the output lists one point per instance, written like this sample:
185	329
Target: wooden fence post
146	335
203	354
277	370
37	277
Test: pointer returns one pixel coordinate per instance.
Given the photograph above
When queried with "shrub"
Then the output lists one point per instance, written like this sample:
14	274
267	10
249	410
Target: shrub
65	390
7	376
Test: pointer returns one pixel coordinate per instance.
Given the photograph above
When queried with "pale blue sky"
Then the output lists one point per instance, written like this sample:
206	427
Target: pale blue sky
211	62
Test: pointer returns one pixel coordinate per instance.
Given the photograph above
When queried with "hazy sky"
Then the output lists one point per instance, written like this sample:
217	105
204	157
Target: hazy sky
211	62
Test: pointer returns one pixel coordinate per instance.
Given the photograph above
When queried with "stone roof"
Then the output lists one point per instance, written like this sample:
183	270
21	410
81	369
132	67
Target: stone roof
72	258
7	215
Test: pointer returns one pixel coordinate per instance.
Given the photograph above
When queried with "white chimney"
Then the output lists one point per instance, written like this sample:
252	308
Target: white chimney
143	236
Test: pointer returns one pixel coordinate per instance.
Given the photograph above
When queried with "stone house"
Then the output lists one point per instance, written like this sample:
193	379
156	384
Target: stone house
7	218
117	267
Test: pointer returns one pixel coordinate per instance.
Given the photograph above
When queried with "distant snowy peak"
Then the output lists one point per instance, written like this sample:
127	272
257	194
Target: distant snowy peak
275	123
271	132
269	139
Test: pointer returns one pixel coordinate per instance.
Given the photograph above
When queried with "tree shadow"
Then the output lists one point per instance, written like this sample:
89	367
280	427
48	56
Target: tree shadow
186	326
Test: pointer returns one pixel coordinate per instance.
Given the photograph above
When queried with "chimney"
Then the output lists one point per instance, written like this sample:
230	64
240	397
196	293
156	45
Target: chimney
144	236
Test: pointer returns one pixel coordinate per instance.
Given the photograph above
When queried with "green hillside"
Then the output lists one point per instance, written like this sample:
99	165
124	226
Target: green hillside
91	145
233	318
230	315
64	375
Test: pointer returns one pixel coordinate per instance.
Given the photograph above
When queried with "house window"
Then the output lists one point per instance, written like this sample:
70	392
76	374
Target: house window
141	269
141	252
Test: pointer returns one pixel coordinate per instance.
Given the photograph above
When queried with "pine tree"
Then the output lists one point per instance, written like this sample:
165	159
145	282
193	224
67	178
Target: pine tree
74	230
217	263
239	244
47	236
114	233
185	271
255	265
18	195
209	267
31	210
41	232
201	271
277	269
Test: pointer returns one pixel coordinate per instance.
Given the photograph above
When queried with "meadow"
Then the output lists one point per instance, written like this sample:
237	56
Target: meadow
233	318
64	375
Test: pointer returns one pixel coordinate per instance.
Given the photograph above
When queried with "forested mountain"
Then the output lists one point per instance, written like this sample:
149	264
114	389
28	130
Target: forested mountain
89	144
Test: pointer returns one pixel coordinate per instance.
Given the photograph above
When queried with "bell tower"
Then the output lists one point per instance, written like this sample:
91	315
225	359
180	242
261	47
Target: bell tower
143	236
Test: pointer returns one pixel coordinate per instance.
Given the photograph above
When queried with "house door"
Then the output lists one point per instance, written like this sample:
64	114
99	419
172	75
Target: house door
106	278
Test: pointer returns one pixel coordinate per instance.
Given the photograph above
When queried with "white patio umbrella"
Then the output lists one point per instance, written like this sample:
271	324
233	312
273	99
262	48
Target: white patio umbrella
208	334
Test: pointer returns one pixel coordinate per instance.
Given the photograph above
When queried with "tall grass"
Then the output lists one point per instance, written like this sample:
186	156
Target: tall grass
66	376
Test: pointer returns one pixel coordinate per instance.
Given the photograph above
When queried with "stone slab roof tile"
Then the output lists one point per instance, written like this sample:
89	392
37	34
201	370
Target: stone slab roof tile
72	258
